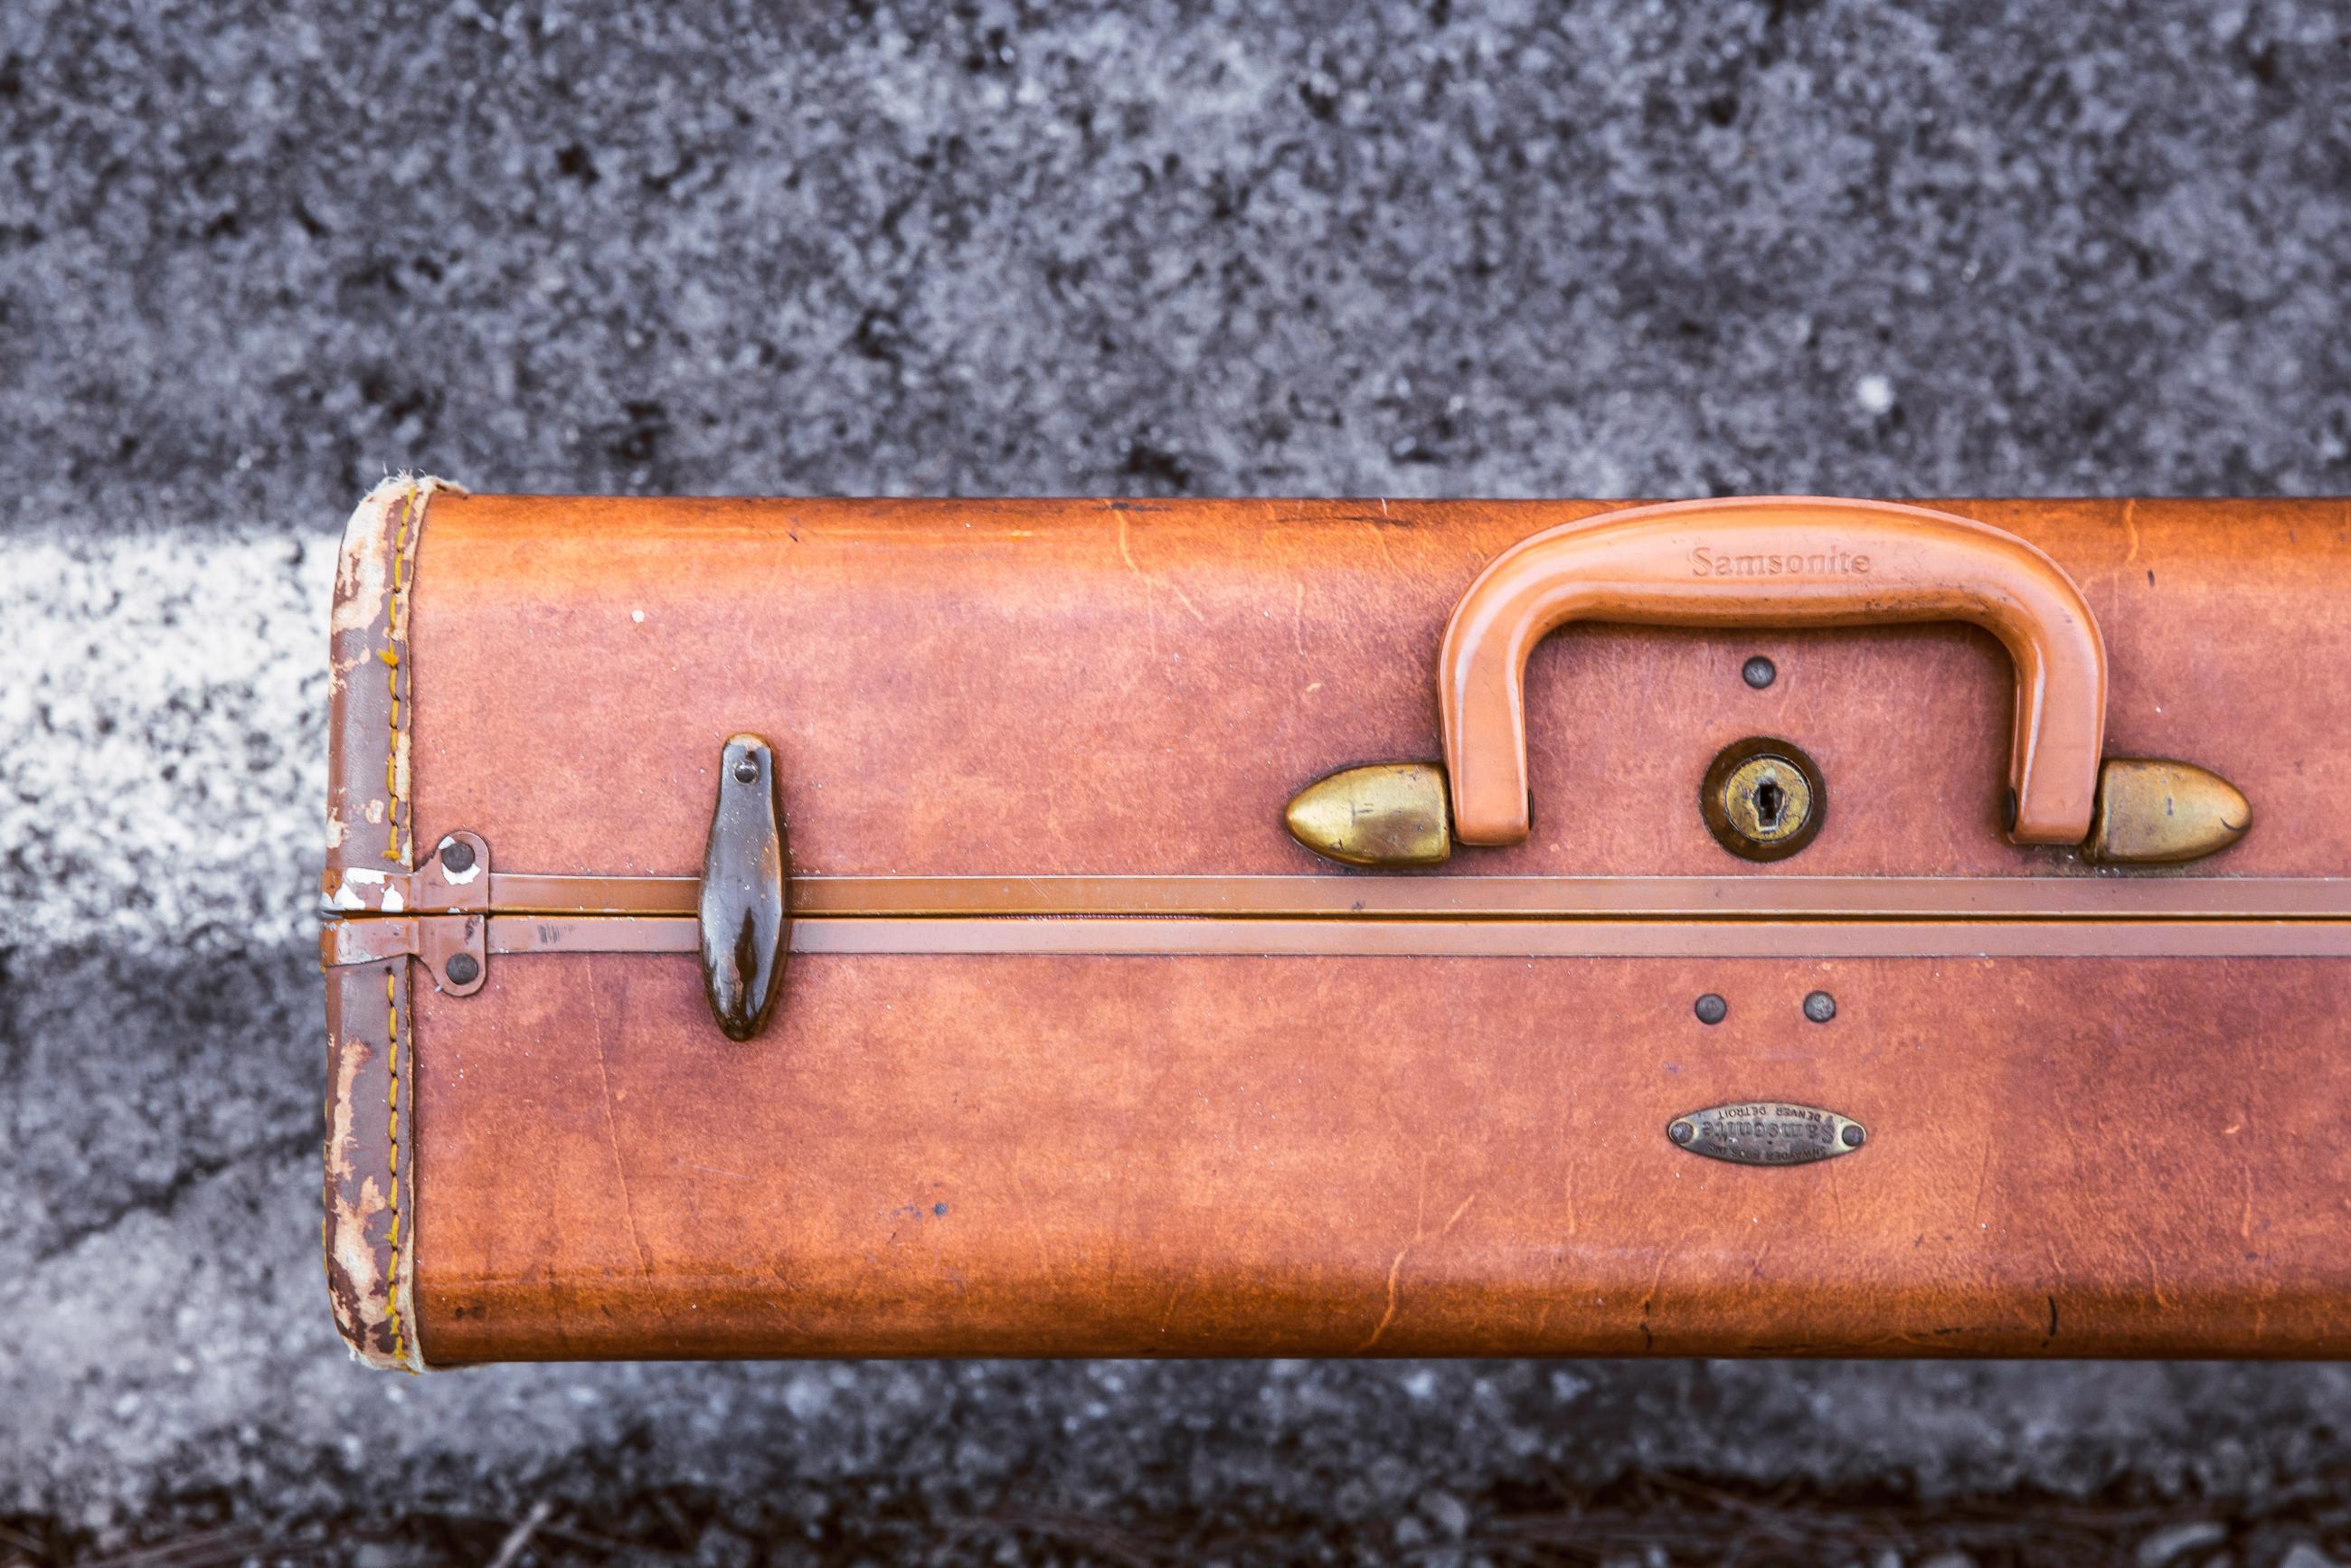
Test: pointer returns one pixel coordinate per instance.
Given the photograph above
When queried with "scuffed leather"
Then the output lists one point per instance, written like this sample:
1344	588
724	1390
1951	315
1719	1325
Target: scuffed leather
1194	1155
1408	1157
1082	686
370	820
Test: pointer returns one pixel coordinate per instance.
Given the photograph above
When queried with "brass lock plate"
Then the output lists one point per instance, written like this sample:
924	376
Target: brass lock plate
1763	799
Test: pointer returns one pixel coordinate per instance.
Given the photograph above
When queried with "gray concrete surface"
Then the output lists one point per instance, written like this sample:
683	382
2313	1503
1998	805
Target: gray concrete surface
253	255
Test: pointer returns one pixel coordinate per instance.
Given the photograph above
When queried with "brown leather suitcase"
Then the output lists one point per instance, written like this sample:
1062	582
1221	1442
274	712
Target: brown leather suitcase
1081	927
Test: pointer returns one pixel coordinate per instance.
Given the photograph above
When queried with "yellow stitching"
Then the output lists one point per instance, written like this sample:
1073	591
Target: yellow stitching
393	850
392	1100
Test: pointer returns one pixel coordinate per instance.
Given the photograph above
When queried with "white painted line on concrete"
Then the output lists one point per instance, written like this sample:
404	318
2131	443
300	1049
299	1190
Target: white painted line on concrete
162	724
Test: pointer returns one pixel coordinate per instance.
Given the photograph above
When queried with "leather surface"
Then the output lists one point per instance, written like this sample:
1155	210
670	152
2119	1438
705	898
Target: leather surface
1231	1154
1065	687
371	1162
1331	1157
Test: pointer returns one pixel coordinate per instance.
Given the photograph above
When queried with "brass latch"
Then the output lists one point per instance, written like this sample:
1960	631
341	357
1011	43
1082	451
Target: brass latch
2149	812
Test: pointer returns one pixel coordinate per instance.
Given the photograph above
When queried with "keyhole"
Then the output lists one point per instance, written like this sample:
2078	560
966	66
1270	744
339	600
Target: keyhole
1761	799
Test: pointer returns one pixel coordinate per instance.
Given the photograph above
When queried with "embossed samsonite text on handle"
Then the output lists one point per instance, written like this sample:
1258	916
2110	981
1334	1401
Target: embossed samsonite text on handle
1776	561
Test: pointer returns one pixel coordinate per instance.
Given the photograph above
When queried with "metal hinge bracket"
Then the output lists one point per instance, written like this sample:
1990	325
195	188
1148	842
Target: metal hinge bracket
442	913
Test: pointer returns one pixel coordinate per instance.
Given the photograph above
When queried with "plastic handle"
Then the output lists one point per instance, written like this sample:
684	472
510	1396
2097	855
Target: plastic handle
1778	560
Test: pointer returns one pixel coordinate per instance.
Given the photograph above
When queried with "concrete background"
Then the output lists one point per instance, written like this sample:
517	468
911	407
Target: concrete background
253	255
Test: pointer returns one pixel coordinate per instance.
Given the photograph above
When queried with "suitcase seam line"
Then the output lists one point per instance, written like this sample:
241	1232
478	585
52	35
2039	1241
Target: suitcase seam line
391	1103
403	851
395	636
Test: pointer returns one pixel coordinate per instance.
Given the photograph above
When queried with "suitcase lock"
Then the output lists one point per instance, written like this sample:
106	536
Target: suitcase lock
1787	560
1764	799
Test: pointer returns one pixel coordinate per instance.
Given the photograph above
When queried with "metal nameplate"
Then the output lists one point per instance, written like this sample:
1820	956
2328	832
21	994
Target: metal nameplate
1767	1132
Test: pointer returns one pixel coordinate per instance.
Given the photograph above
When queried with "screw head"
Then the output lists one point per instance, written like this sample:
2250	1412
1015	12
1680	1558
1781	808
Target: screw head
1820	1006
457	855
747	771
463	970
1711	1008
1853	1137
1681	1131
1758	672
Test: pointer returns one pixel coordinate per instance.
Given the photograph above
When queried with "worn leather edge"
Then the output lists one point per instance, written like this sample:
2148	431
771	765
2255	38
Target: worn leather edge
370	1194
370	1197
369	817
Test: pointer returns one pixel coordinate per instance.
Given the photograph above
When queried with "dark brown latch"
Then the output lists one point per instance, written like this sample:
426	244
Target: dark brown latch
453	914
744	912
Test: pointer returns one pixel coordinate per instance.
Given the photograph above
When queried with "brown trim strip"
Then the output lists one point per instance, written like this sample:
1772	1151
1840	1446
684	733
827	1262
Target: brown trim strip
1484	938
369	1188
1475	897
600	934
521	893
370	1164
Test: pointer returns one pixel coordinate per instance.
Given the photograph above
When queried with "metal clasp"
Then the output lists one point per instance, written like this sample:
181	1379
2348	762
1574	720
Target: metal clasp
441	914
745	907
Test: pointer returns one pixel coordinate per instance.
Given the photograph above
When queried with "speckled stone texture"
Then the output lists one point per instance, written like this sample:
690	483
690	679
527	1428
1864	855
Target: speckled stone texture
253	255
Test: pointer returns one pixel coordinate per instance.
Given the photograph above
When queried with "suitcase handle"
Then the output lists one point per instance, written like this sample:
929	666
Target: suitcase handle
1777	561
